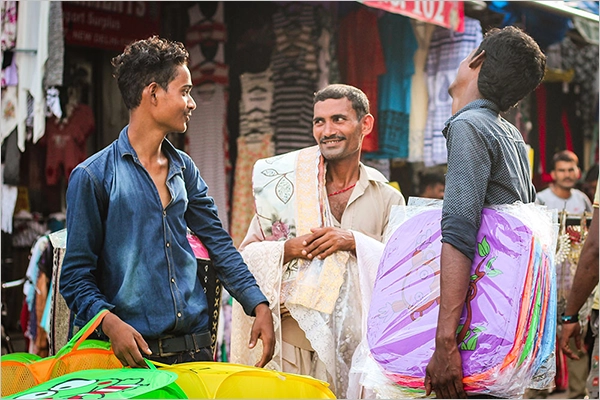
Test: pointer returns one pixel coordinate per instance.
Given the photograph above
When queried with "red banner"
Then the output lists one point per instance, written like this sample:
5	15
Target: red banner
449	14
109	25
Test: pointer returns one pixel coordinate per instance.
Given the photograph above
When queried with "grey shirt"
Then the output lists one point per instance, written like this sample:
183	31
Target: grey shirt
487	164
577	203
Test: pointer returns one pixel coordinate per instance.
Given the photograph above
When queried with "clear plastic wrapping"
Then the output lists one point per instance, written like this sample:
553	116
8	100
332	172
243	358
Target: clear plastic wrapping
507	331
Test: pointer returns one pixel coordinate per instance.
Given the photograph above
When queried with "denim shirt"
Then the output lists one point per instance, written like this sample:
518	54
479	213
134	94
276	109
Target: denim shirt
127	254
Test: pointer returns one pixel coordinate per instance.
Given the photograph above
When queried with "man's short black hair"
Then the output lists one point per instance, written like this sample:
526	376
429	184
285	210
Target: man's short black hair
565	156
146	61
360	102
430	179
513	66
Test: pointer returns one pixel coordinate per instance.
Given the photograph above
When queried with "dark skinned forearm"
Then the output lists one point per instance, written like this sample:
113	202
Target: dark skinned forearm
454	283
586	276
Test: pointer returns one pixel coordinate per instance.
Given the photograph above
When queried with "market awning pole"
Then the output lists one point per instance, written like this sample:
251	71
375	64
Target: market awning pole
563	9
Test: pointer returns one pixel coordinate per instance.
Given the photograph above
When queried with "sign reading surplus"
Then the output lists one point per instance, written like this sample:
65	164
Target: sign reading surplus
449	14
109	25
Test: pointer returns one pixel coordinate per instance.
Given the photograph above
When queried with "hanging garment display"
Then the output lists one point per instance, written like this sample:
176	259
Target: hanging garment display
255	103
394	88
446	50
65	141
32	26
207	142
556	126
207	139
295	70
251	148
418	92
362	61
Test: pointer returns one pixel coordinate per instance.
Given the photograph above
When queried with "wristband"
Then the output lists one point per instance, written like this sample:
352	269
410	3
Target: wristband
569	319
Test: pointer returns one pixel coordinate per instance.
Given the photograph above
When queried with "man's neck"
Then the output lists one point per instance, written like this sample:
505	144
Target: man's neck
469	94
563	193
342	173
145	140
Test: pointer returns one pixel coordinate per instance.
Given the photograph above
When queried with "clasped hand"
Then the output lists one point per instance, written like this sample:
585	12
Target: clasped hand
319	244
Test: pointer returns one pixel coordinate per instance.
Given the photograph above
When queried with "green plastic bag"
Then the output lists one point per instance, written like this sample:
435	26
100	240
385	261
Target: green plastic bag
124	383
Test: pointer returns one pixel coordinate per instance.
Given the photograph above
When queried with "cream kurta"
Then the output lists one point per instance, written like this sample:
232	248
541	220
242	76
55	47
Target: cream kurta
311	342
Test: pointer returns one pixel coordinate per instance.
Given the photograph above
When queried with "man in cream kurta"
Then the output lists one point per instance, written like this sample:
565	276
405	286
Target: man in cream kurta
315	209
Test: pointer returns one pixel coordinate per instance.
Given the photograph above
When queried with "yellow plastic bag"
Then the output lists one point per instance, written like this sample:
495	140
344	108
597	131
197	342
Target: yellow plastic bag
215	380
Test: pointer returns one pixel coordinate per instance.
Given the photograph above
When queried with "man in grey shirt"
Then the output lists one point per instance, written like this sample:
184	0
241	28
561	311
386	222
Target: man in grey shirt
561	194
487	164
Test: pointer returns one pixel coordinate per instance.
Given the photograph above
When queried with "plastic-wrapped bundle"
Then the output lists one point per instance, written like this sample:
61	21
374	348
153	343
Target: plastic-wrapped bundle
507	331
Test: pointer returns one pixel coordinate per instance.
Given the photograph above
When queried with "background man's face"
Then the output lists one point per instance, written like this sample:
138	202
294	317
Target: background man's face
565	174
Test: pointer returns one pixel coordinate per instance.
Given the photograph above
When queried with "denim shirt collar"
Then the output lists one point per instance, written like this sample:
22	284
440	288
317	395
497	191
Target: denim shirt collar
176	164
479	103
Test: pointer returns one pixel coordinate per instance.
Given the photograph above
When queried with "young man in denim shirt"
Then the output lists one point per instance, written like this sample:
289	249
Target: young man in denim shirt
487	164
128	210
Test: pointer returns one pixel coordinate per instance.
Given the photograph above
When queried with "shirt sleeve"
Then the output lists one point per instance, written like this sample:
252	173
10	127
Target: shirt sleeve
202	218
469	168
84	245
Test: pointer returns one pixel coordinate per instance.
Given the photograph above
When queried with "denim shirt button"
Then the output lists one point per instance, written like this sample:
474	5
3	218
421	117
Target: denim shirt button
178	315
168	244
173	280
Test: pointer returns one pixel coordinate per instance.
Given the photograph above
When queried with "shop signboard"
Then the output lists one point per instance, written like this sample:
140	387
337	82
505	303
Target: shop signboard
449	14
109	25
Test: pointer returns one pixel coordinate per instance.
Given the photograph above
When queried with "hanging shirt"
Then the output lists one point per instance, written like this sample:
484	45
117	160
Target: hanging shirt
206	136
361	61
446	50
399	45
255	103
418	92
295	70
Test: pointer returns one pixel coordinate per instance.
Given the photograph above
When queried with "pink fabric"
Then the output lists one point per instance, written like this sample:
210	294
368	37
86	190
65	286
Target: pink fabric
66	142
198	248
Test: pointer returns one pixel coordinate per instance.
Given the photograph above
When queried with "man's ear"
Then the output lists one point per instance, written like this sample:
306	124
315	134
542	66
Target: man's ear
477	60
367	124
150	92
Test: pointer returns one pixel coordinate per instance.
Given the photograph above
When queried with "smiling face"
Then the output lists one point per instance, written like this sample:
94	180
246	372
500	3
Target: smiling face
176	103
337	129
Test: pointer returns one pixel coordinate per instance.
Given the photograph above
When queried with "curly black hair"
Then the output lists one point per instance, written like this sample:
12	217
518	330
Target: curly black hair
513	66
145	61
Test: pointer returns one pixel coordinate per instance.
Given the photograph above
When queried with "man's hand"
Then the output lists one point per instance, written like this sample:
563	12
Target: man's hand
444	373
126	342
571	331
294	248
263	328
323	242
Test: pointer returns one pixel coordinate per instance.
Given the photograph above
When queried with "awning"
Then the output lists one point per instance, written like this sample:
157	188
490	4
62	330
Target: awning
586	23
561	8
449	14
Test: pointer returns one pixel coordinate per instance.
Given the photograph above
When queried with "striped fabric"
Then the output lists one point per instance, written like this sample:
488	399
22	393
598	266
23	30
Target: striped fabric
446	50
295	70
